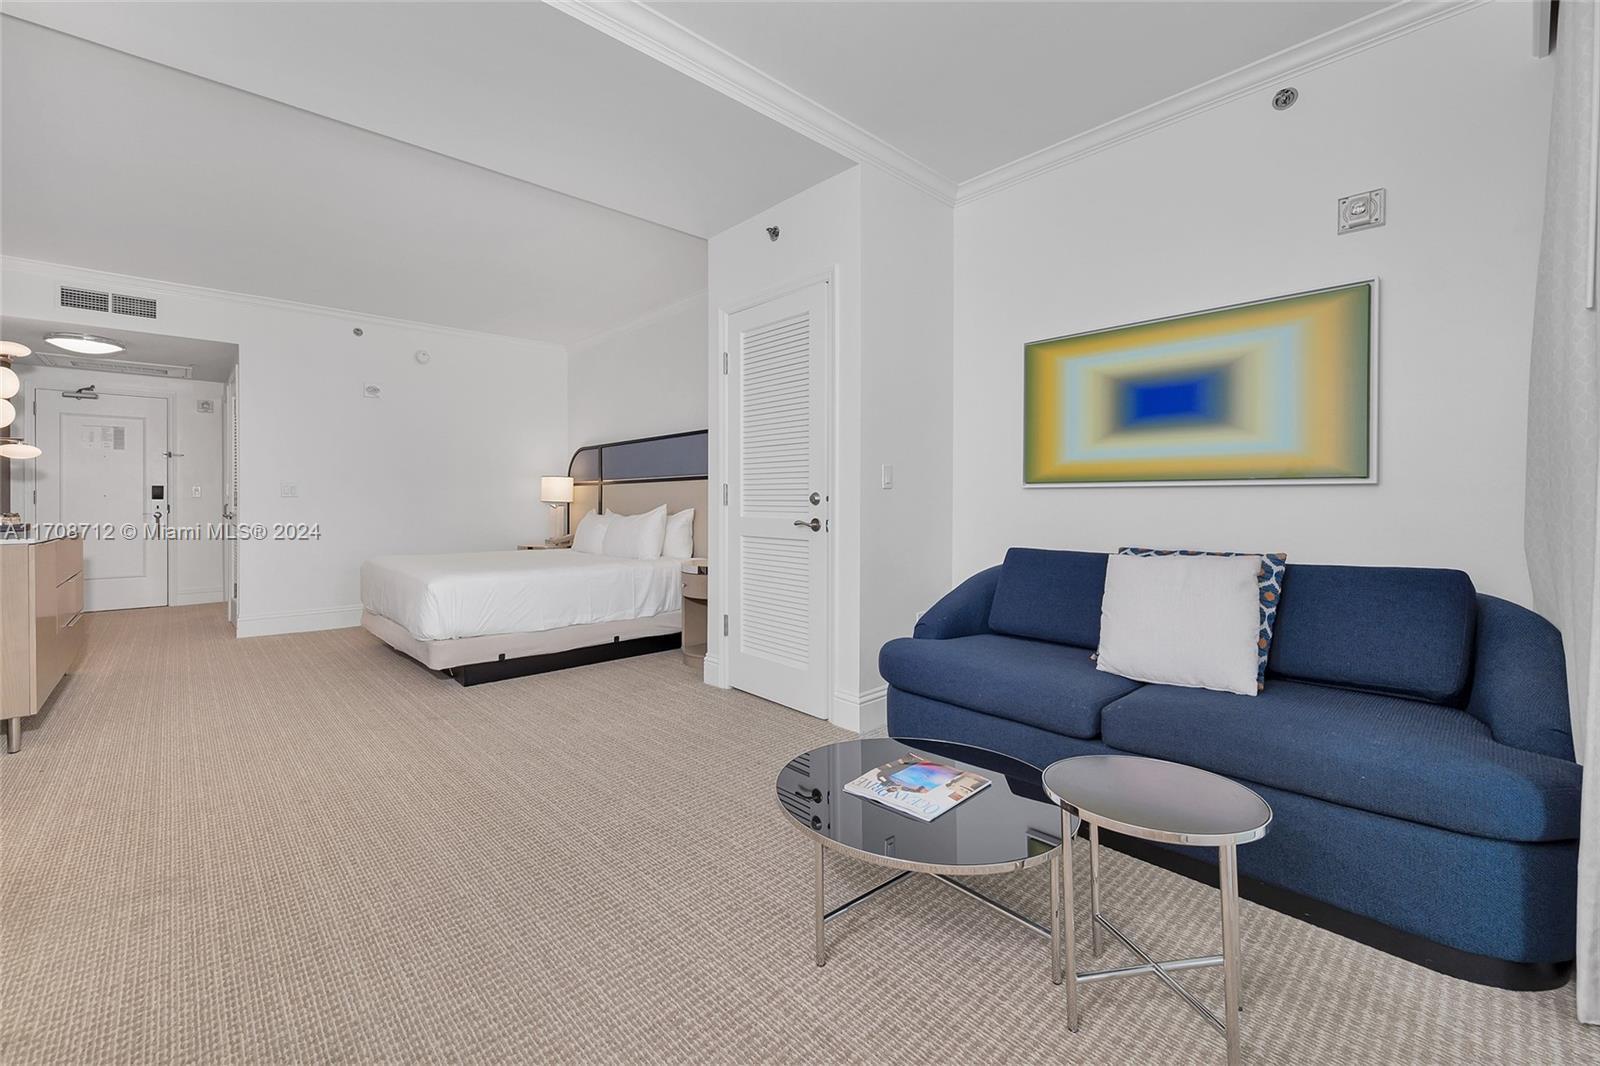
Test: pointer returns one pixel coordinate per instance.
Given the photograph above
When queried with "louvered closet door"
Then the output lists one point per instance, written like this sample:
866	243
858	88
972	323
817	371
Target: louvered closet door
777	433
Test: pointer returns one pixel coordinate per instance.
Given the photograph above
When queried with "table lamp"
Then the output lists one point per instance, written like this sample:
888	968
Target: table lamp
557	492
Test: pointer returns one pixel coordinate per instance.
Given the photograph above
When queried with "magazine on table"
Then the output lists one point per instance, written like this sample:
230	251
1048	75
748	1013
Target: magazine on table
917	785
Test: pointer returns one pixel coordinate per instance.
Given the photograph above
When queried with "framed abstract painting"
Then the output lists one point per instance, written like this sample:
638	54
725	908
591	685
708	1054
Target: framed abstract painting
1281	391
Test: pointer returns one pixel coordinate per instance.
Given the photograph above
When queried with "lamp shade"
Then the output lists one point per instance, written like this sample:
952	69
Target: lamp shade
9	383
19	450
13	350
8	413
555	489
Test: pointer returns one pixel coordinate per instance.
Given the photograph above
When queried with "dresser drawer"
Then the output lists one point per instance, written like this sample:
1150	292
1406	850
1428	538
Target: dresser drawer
694	586
69	600
68	561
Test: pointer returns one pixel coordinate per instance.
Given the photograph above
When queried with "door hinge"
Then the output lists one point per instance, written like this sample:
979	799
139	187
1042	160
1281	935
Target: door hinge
724	362
724	494
724	625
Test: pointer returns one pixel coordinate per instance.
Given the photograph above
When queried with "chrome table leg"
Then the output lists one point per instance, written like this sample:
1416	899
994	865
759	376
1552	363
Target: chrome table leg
13	734
1228	861
1096	943
1055	916
819	929
1068	933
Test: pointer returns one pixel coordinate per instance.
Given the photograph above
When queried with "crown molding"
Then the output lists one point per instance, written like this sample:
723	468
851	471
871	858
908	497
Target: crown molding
66	273
649	318
1391	22
648	31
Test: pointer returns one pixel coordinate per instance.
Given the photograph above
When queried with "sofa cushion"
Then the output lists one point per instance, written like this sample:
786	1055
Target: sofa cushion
1050	595
1388	629
1052	686
1433	765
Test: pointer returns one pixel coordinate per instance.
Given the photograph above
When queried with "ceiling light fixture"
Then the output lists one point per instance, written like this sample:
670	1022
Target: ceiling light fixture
84	343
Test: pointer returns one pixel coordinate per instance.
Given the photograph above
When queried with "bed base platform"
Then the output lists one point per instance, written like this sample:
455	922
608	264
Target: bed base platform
477	660
503	669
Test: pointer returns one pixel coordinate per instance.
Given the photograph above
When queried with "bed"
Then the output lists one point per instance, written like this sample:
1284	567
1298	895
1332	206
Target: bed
488	616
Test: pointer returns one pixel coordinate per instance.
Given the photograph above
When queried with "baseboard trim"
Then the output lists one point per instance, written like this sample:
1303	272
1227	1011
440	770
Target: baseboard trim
268	625
866	713
1453	962
191	597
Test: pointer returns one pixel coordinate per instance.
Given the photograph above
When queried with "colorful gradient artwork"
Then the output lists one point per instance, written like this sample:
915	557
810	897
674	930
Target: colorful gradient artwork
1268	391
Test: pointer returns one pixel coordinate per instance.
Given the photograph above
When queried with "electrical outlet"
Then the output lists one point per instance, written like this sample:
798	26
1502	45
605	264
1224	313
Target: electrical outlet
888	475
288	489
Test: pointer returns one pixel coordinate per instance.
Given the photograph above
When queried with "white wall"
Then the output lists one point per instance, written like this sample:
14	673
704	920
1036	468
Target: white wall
1238	203
643	379
907	281
821	236
889	250
448	460
194	567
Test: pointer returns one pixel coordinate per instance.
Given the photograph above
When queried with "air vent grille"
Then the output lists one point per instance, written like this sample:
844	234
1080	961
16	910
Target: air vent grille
114	366
142	306
85	299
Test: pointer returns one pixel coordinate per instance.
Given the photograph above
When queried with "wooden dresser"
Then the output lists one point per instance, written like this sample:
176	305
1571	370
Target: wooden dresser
41	606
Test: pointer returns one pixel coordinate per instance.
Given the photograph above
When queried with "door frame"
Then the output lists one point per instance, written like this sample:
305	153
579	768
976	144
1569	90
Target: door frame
716	672
132	391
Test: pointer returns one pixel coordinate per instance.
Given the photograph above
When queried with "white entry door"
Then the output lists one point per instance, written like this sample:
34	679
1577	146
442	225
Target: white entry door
230	493
778	505
104	463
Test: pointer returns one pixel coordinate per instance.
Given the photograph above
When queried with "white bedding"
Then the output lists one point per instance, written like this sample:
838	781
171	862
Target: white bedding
442	597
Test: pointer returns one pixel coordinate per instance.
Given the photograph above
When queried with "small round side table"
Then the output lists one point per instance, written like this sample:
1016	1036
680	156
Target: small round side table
1169	803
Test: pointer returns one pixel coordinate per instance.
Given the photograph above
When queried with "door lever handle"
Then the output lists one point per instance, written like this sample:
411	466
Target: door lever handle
815	525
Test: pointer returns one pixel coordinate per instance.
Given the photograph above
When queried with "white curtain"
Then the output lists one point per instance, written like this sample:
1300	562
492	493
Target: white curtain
1563	505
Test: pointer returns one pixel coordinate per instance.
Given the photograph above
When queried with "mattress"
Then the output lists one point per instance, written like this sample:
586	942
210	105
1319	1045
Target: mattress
475	594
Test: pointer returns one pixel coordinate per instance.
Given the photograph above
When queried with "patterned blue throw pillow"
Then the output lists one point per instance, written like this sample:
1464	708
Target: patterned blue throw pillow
1270	583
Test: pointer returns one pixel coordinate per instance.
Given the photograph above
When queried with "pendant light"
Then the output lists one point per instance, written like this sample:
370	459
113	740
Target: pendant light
12	447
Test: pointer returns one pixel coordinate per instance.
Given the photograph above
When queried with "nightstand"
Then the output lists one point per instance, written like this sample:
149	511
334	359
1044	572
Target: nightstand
694	580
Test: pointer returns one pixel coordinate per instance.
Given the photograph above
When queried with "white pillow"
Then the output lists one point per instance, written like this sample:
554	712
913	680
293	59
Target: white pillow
590	535
679	543
1190	620
636	536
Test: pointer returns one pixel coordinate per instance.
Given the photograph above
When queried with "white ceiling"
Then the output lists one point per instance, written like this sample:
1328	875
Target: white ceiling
516	87
118	164
967	87
210	360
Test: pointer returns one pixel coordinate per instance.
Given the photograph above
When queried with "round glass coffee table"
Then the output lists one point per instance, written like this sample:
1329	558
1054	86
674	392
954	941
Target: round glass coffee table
1010	825
1169	803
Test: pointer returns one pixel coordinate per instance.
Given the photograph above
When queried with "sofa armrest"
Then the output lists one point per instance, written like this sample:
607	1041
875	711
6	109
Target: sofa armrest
1519	679
964	610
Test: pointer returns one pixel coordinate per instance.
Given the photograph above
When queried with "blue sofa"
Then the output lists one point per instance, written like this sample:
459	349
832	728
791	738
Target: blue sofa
1413	740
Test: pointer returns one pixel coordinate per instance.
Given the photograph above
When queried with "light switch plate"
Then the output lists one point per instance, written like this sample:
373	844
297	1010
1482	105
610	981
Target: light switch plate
288	489
205	407
194	492
1364	210
888	475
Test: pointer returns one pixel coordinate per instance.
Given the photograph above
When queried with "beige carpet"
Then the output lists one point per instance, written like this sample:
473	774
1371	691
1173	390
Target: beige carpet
307	849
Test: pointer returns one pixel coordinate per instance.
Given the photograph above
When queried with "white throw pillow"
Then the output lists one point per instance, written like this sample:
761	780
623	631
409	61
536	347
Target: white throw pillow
1190	620
636	536
590	535
679	543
